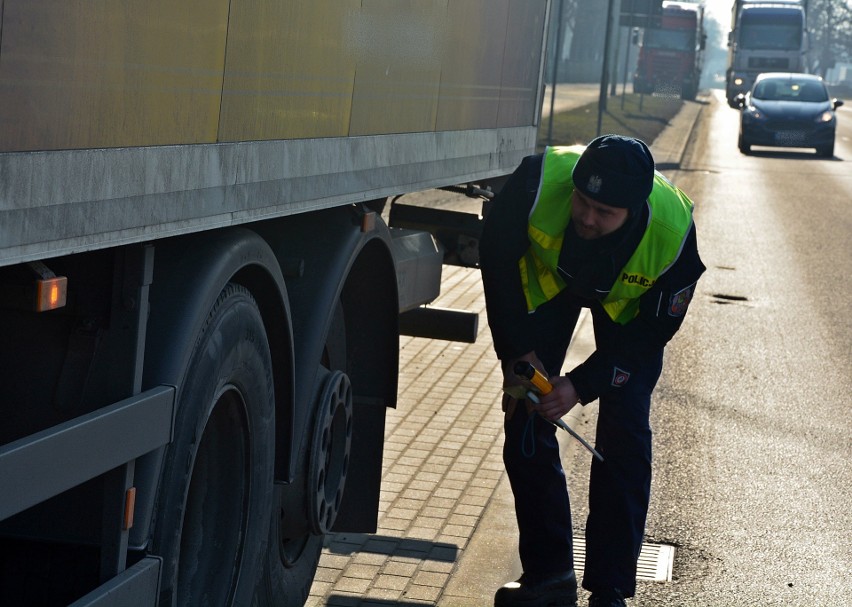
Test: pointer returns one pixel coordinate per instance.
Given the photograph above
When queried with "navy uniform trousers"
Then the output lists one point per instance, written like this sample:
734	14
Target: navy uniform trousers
619	487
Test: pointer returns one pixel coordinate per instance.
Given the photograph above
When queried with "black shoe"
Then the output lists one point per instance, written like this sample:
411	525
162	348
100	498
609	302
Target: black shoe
611	598
553	591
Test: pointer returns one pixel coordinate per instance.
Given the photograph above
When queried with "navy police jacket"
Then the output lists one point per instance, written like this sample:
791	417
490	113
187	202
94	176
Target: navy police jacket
620	348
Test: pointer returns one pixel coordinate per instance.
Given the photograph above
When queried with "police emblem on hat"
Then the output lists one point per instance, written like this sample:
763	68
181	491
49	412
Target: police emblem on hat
595	183
619	377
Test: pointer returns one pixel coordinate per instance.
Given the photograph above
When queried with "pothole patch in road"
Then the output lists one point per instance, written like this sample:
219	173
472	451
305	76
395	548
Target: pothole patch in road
654	565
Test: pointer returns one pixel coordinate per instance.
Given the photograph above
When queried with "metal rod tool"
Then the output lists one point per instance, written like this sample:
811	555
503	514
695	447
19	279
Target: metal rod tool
527	371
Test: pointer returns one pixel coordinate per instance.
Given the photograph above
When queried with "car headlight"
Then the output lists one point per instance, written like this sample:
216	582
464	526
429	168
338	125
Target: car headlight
826	116
751	113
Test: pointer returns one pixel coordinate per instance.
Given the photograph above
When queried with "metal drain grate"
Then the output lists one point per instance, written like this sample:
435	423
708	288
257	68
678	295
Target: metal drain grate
654	565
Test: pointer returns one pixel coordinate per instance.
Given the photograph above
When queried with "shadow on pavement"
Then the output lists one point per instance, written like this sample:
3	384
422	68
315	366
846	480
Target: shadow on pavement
342	600
349	543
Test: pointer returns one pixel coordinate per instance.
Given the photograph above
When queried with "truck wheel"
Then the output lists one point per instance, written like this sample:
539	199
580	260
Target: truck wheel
298	529
216	494
297	540
292	561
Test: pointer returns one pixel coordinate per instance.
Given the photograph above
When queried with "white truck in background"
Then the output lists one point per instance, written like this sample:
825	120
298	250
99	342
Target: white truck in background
765	36
200	300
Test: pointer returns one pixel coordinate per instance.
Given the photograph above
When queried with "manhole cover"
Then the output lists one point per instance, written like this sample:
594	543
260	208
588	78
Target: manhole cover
654	565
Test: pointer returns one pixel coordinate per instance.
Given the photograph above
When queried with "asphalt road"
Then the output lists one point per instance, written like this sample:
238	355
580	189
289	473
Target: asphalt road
753	439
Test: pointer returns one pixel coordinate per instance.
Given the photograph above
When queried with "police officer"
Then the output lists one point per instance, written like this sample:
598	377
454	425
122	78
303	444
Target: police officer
593	227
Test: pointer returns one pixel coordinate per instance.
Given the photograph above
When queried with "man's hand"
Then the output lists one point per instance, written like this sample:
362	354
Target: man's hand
514	385
558	401
514	388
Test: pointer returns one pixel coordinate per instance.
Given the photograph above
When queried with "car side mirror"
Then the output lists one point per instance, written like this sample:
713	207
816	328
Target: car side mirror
837	103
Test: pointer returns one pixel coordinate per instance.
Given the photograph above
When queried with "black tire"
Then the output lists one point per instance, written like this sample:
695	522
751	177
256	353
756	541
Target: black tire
641	88
745	148
826	151
216	494
291	563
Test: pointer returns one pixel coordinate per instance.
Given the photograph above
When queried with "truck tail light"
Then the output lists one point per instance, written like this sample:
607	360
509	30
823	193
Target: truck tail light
129	507
51	293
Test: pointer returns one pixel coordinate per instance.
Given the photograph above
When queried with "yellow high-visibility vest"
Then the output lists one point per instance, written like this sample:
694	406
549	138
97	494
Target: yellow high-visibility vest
668	225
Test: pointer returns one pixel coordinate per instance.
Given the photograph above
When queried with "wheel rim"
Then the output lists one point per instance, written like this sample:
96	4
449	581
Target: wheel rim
332	441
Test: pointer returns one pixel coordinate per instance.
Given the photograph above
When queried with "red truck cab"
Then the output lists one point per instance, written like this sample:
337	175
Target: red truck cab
671	55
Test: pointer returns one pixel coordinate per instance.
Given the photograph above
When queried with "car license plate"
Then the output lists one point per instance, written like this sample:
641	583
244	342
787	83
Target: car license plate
789	137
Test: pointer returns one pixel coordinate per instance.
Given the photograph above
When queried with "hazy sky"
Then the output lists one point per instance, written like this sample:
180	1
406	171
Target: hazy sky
721	9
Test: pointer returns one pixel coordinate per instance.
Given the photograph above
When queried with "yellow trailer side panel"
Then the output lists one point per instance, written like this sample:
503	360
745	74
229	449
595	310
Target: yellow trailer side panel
77	74
400	48
521	64
102	73
470	84
289	73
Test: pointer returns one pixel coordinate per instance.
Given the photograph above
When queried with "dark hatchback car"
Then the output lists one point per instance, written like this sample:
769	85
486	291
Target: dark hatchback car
788	110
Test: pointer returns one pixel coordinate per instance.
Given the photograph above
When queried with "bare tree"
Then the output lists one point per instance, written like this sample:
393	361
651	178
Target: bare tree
830	27
567	10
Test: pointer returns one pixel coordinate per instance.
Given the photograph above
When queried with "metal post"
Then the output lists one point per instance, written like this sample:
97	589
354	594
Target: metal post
613	71
605	68
627	59
556	56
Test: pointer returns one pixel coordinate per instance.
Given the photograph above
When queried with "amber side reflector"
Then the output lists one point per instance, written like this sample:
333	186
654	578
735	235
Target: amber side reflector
368	222
129	507
51	293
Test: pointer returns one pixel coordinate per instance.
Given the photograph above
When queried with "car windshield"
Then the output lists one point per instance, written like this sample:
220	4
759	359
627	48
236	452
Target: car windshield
790	90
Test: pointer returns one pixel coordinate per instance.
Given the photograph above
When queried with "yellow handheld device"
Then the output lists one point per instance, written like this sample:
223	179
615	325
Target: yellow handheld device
527	371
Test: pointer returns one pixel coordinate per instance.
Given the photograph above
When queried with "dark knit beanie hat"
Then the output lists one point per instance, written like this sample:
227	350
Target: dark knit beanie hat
615	170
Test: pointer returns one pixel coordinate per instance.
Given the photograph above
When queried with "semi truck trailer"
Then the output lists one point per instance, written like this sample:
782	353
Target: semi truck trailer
200	294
